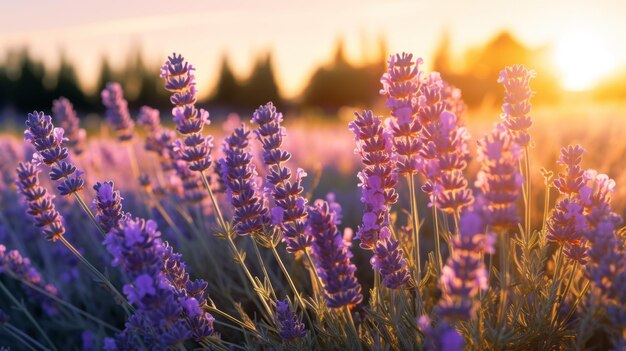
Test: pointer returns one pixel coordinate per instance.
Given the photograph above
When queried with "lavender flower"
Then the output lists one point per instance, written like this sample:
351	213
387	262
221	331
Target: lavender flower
465	275
290	212
117	111
567	223
40	205
401	84
108	204
516	107
179	80
378	180
47	141
191	294
239	173
290	326
443	337
66	119
21	268
164	315
444	149
332	258
389	260
499	178
606	248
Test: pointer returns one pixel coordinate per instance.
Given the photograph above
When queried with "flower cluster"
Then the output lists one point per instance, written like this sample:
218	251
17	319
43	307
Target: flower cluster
191	294
117	111
567	223
401	85
108	204
66	118
499	178
19	267
516	107
378	180
332	258
180	80
443	337
40	205
239	173
290	326
444	148
290	210
465	275
47	141
160	320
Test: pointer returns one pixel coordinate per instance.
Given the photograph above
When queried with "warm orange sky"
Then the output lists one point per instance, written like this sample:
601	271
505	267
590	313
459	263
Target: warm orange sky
301	34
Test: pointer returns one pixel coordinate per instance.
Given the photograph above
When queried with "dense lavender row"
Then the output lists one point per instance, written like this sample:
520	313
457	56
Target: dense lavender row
228	251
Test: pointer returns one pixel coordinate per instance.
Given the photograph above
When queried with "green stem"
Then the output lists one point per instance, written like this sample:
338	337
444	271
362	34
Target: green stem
293	287
242	264
65	303
22	337
85	208
570	313
352	326
527	208
100	276
28	315
437	241
218	213
415	219
132	159
504	276
262	264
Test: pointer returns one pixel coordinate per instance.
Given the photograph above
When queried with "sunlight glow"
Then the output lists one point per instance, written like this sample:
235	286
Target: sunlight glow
582	59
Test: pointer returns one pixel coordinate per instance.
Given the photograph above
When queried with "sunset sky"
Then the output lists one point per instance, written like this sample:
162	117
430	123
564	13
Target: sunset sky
303	34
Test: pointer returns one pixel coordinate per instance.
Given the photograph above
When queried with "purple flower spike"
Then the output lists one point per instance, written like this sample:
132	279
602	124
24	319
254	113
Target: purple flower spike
465	275
516	107
378	178
389	260
290	325
169	306
21	268
568	223
570	182
444	148
240	174
66	119
47	141
401	85
40	205
332	258
108	204
499	178
290	211
179	79
117	111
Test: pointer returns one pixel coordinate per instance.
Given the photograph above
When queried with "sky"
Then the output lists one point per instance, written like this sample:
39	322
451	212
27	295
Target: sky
300	34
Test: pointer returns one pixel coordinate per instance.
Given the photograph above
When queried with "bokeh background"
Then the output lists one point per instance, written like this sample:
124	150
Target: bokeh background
319	62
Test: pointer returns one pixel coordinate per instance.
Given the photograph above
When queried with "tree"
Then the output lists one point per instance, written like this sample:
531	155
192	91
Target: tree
228	90
261	87
67	85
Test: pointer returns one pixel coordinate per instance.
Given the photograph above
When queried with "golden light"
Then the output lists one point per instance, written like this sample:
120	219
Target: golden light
582	59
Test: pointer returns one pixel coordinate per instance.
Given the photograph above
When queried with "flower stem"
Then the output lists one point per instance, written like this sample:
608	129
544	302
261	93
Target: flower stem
102	279
28	315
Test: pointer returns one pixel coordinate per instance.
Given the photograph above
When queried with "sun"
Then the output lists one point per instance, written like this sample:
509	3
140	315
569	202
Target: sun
582	58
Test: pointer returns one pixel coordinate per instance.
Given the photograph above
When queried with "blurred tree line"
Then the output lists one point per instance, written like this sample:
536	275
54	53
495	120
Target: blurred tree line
26	84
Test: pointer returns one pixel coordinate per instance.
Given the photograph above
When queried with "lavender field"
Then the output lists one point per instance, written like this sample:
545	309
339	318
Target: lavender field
419	226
